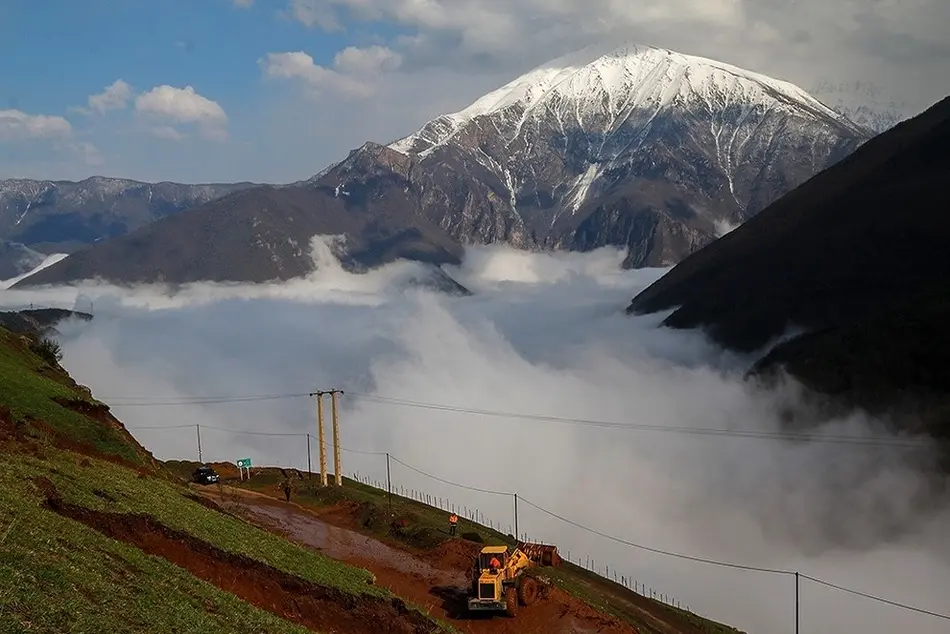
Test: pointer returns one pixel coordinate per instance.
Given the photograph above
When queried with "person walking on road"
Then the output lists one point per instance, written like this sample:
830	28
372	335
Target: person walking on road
287	488
453	523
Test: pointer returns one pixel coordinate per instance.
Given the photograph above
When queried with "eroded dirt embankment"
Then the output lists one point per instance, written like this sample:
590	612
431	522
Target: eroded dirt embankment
437	580
316	607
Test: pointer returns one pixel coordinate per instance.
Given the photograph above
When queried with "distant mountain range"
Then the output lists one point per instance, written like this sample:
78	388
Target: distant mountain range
637	147
859	259
62	216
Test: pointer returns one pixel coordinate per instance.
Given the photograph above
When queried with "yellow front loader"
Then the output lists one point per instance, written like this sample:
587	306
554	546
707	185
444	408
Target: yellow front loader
504	587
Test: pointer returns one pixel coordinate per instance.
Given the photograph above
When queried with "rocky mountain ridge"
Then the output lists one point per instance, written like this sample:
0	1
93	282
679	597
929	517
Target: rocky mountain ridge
62	216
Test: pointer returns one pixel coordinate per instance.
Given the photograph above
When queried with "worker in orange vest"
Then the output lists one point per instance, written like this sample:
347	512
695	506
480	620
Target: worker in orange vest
453	523
494	564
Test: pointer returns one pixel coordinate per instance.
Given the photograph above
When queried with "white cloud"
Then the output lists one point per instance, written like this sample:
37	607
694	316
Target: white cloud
185	106
16	125
367	61
544	334
167	132
354	73
312	13
805	41
115	97
89	154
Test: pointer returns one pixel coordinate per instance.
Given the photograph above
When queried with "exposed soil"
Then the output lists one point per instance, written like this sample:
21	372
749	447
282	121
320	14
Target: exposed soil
437	580
102	415
8	429
61	441
313	606
25	432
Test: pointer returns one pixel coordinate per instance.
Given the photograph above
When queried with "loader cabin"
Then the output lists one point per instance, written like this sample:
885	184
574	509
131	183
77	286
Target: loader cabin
488	552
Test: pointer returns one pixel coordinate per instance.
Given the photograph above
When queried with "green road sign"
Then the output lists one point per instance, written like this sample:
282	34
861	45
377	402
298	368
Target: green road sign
244	462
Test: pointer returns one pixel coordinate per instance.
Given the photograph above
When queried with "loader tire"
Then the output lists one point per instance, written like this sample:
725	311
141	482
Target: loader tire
511	602
528	590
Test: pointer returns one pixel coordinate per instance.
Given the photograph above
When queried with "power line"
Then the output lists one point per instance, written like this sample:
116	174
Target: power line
160	427
255	433
694	558
252	433
756	434
449	482
365	453
876	598
207	400
866	441
589	529
655	550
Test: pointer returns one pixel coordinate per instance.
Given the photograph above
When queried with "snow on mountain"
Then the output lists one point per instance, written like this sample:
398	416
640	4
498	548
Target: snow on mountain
16	258
47	261
610	145
617	82
864	103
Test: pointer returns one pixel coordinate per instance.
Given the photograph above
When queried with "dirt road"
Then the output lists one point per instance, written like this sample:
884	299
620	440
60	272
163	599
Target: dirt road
437	582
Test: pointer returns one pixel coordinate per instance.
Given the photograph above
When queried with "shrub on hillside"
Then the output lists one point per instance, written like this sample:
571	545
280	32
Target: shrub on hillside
49	350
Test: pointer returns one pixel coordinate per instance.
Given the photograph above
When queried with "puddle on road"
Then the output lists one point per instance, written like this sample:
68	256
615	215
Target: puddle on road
343	544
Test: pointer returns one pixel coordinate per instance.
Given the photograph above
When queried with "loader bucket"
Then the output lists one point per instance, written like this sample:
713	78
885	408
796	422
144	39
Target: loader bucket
542	554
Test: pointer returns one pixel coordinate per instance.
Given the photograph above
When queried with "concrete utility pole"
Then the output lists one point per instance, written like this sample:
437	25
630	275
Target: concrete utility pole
336	439
321	437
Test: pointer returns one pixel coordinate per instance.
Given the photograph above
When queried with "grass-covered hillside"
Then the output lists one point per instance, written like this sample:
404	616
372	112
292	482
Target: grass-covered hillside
96	536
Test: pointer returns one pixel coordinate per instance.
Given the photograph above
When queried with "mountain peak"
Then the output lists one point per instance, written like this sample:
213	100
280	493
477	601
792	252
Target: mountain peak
612	80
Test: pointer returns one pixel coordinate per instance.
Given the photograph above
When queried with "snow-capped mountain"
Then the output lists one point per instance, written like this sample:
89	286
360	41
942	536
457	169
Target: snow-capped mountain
864	103
63	215
637	145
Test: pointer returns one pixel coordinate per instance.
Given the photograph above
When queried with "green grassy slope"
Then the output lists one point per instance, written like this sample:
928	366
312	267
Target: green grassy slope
36	395
62	575
57	575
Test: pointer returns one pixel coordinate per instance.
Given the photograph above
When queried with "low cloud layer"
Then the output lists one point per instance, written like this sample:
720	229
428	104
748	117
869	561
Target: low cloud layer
544	335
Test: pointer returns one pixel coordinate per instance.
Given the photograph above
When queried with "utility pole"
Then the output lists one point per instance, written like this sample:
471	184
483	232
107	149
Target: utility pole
321	439
389	484
517	537
198	429
336	439
796	602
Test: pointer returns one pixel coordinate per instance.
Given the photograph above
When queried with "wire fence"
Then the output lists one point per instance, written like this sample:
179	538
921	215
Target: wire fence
587	563
477	516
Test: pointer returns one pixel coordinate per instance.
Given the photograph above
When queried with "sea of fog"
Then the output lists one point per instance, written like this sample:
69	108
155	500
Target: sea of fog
542	335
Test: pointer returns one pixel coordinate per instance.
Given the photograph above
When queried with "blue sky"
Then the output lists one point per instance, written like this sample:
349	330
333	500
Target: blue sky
274	90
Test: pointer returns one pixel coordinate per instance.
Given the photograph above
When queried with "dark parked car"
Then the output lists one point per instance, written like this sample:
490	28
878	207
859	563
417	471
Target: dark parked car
204	475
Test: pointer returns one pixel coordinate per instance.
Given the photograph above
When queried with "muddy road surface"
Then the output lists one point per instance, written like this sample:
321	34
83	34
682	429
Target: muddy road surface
438	581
